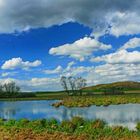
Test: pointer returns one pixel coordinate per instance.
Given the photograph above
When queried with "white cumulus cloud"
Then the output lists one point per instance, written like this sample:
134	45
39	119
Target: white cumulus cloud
80	49
18	63
119	57
123	23
132	43
55	71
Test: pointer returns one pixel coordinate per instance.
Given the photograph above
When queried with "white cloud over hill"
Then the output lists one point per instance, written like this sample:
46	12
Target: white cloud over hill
105	73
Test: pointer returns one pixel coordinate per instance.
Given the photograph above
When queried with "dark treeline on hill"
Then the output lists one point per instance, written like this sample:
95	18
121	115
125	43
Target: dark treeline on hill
122	86
11	90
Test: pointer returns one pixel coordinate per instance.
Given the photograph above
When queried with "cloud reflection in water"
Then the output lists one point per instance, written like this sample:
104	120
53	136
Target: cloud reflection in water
126	115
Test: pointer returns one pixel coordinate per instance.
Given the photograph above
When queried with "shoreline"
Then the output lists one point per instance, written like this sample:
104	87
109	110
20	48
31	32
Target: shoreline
83	101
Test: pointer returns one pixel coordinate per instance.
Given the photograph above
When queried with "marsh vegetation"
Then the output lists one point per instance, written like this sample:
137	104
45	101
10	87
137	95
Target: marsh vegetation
105	100
76	129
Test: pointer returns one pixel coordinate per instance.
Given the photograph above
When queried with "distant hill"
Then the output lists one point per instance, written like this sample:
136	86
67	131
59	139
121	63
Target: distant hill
127	85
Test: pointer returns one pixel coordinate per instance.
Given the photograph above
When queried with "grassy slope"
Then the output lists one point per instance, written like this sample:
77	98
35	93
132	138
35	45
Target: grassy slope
127	85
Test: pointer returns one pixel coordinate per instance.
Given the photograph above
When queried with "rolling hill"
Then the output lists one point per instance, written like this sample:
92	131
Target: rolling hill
126	85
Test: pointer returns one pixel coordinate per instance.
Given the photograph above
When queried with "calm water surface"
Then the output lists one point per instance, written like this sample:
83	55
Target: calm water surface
126	115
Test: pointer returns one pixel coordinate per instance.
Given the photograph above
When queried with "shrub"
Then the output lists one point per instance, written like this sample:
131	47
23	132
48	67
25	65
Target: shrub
22	123
78	121
118	129
25	95
52	124
43	122
1	122
10	123
68	126
114	91
138	126
98	124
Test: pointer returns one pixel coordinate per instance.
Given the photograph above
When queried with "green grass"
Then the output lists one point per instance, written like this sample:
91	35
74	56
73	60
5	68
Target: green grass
93	130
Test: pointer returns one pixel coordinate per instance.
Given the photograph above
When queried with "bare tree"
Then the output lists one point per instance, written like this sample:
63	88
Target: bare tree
80	84
1	89
72	83
76	84
11	88
64	84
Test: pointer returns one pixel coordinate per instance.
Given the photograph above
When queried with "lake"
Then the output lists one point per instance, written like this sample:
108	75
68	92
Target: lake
126	115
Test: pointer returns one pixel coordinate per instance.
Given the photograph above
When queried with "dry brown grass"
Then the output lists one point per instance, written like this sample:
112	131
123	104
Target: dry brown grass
30	135
124	138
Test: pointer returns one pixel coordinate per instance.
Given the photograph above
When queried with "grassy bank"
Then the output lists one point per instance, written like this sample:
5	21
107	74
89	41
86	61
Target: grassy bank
76	129
99	100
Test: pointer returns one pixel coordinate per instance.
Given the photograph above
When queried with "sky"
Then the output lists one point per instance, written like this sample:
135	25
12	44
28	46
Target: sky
42	40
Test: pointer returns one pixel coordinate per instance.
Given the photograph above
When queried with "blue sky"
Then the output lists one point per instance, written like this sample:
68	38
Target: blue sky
35	43
41	42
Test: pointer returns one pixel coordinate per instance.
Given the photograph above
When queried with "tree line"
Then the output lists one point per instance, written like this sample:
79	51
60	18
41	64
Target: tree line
11	90
73	85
